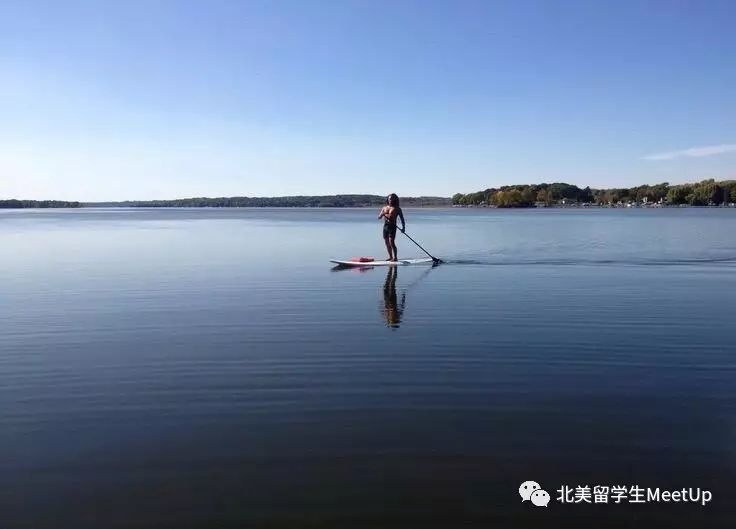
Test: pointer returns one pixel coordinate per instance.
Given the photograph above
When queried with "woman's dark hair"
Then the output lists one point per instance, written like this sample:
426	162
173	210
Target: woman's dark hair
393	200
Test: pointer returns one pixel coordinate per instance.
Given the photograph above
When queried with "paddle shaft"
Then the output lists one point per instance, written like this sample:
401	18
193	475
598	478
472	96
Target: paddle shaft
422	249
419	245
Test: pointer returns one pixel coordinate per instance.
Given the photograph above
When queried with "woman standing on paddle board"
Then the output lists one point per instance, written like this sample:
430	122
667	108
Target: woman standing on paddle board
389	213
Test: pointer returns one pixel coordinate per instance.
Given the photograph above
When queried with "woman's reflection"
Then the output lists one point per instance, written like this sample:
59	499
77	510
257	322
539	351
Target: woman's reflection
392	309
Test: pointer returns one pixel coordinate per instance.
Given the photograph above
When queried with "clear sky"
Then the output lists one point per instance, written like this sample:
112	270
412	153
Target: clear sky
104	100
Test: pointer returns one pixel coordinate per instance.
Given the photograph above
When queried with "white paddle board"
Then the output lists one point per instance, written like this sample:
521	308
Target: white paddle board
400	262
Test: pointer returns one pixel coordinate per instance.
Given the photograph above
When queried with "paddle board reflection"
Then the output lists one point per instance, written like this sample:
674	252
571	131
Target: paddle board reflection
392	309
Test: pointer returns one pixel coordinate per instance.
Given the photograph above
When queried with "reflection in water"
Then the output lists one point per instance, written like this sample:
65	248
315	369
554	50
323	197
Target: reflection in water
392	308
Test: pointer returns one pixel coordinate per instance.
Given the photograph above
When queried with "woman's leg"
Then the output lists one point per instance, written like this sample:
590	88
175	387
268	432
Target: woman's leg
387	240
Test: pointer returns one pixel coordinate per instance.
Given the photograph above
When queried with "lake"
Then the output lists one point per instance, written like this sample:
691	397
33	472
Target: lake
205	368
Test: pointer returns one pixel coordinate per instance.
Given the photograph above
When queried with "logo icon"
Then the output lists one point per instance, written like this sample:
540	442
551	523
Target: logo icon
531	490
540	498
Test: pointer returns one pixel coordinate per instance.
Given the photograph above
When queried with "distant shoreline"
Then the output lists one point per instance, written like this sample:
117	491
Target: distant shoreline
325	201
556	195
437	207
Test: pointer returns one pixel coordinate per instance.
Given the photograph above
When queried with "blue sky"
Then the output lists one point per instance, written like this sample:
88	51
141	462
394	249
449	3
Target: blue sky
162	99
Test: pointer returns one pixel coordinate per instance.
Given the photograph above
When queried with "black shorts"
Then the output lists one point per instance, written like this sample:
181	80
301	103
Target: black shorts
389	230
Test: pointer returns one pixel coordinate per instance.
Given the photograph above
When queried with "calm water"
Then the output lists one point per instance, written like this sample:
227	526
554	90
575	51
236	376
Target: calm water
207	368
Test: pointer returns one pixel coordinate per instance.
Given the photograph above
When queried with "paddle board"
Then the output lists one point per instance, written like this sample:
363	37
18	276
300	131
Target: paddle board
400	262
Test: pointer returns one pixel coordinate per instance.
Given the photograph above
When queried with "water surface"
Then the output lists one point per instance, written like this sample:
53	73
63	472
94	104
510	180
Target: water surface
205	368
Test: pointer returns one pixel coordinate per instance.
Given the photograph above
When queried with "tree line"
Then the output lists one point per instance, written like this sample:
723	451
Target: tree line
319	201
18	204
705	193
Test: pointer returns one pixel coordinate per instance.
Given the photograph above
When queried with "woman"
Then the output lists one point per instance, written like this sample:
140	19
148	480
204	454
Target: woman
389	213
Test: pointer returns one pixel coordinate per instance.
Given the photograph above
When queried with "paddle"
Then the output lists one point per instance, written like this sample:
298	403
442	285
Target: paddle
434	259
